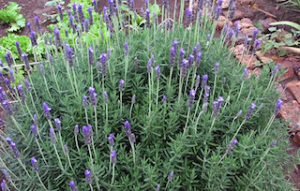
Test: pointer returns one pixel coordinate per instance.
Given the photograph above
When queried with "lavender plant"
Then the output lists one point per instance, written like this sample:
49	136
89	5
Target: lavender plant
137	113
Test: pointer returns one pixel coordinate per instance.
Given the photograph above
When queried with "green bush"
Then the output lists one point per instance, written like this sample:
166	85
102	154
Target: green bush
181	136
10	15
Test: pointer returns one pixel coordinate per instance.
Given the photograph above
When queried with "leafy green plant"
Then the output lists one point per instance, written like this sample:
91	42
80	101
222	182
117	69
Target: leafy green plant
293	5
130	113
11	15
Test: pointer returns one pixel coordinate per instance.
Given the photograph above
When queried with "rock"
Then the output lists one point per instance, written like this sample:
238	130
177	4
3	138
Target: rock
281	91
225	4
264	59
246	23
297	72
290	111
221	22
296	139
246	1
248	31
289	65
237	15
294	88
266	23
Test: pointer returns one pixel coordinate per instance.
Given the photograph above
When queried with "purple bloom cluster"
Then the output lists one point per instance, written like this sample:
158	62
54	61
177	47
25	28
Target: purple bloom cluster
52	136
21	92
250	110
73	186
7	107
164	98
57	124
121	85
206	93
88	176
111	139
157	69
47	110
279	104
14	148
192	97
133	99
87	134
103	58
105	96
113	156
93	96
170	177
231	145
204	81
8	59
84	101
198	78
184	68
34	131
76	130
217	105
69	54
127	127
34	163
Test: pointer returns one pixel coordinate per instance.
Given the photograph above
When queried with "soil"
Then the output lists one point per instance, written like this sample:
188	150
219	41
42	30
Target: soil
31	8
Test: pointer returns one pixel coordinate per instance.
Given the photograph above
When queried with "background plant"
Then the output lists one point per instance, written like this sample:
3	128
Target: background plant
170	131
11	15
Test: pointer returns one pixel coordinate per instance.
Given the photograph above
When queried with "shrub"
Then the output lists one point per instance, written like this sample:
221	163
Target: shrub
130	113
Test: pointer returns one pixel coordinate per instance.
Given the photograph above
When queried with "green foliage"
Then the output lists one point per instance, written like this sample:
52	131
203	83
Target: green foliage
11	15
170	135
88	2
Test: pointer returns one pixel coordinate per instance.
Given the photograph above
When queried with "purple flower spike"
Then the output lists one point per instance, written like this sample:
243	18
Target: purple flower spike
206	93
73	186
149	66
172	56
80	13
231	145
26	61
47	110
133	99
84	101
76	130
11	76
34	131
250	110
18	49
164	99
28	86
57	37
14	149
113	156
279	104
111	6
121	85
8	59
86	25
3	185
105	97
37	22
87	134
273	144
6	174
132	138
69	52
29	26
220	2
175	44
93	96
35	117
158	187
147	4
60	12
42	69
34	163
254	36
218	12
217	106
103	59
189	15
184	68
157	69
197	81
8	140
21	92
71	23
126	48
33	38
66	149
170	177
208	37
95	5
181	55
257	43
191	59
217	64
7	107
91	20
67	33
274	72
91	56
88	176
147	18
127	127
57	124
52	136
198	58
111	139
192	97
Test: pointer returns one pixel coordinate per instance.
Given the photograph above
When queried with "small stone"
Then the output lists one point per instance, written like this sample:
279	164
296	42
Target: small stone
296	139
248	31
225	4
281	91
293	87
264	59
246	23
246	1
221	22
290	111
266	23
289	65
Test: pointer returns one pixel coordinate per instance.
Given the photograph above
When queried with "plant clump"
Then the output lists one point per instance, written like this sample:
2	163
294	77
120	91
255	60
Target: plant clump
163	107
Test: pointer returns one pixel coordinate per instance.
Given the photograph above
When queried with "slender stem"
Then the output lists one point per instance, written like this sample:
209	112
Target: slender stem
23	166
240	91
32	100
157	92
214	89
92	81
31	82
133	152
239	128
55	79
269	124
91	187
121	102
43	185
75	81
41	151
113	175
198	103
96	121
47	88
86	116
106	111
59	161
170	80
126	67
76	141
130	112
18	126
196	124
149	79
187	120
180	87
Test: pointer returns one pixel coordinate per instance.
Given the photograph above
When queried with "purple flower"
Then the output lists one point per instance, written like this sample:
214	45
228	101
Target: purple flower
57	124
133	99
71	23
42	69
34	163
18	49
35	119
66	149
198	58
175	44
131	5
111	6
67	33
111	139
149	66
217	106
93	96
204	81
3	185
47	110
69	52
257	43
157	69
200	13
273	144
232	9
37	22
170	177
126	48
28	86
11	76
84	101
164	98
21	92
191	59
172	56
88	176
86	25
52	136
51	59
132	138
96	9
274	72
231	145
158	187
76	130
208	37
1	64
7	107
121	85
8	140
105	96
192	97
80	13
217	64
6	174
91	56
87	134
184	68
147	4
29	26
57	37
60	12
8	59
197	81
147	18
250	110
246	41
237	28
113	156
279	104
181	55
103	62
14	149
127	127
254	36
73	186
34	131
206	93
245	74
91	20
218	12
220	2
188	17
33	38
